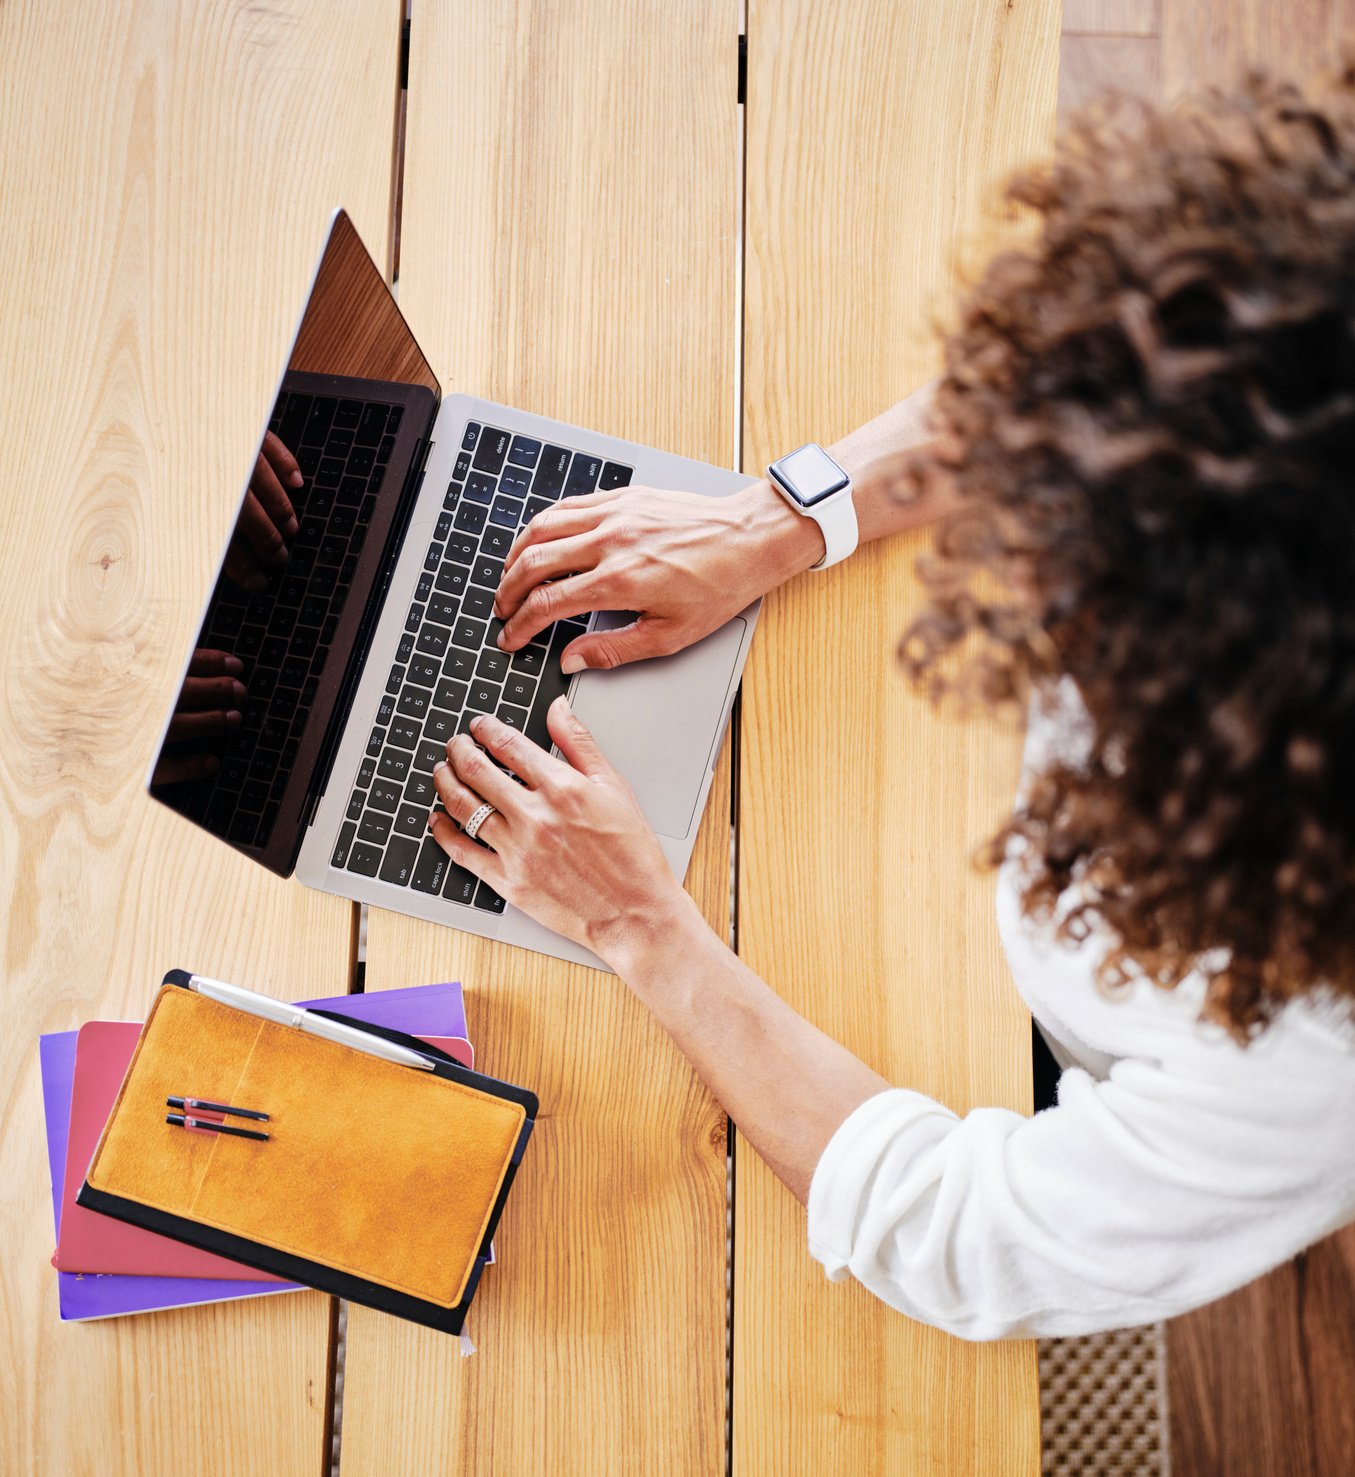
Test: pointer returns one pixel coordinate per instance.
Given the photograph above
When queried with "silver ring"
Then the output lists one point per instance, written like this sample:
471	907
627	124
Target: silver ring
472	826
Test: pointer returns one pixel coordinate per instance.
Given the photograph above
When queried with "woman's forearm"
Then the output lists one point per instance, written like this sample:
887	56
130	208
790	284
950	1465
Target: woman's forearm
873	455
785	1084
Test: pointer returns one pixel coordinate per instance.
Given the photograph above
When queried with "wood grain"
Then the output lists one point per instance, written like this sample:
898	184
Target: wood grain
1111	17
858	806
569	247
1215	43
167	177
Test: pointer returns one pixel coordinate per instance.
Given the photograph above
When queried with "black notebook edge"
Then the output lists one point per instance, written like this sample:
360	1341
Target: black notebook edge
316	1274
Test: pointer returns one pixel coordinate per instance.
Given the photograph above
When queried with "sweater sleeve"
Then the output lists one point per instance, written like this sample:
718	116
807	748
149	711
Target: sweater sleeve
1133	1199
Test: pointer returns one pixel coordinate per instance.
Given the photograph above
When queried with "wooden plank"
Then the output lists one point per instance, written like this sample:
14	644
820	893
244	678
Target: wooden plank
1093	66
872	924
1110	17
167	177
1234	1415
569	246
1214	44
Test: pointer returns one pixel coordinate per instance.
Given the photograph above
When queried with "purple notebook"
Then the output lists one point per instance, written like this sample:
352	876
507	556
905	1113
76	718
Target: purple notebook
433	1010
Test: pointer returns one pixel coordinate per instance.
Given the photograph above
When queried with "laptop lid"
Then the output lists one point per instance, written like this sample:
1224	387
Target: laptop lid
332	479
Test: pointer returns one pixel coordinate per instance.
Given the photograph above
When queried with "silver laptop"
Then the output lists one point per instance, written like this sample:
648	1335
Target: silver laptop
356	612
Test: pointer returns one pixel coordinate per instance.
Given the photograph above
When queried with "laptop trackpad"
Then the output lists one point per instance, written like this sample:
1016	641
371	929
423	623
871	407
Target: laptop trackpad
658	721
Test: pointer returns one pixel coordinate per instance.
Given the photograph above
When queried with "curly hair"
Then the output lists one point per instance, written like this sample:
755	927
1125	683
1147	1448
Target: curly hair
1149	417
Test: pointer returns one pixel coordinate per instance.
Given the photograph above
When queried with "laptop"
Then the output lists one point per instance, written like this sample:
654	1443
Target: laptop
374	642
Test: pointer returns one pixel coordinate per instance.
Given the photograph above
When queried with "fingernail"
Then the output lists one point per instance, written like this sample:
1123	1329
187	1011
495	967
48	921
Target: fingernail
280	557
211	764
289	529
234	666
295	480
498	640
233	719
572	664
238	691
441	764
477	722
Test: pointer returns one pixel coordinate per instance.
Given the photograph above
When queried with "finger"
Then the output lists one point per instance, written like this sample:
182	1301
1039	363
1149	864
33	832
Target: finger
462	803
556	601
512	749
268	489
260	532
282	460
574	740
483	778
200	693
557	522
540	563
480	861
600	651
241	565
177	769
208	663
201	726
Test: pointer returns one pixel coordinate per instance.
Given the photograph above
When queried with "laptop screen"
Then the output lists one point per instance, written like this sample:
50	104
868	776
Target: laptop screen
272	660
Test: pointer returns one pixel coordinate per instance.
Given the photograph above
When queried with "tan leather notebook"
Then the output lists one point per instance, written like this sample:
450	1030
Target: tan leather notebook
374	1174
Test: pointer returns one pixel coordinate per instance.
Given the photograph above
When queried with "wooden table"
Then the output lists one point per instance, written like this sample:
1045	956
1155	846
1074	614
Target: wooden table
589	230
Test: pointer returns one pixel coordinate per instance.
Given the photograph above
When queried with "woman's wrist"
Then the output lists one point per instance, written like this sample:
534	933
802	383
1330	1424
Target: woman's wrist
781	542
644	950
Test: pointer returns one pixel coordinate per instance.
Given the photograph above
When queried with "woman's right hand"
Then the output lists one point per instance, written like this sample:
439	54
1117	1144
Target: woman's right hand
685	564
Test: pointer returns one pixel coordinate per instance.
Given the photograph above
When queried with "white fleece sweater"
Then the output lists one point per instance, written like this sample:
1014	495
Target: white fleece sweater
1175	1167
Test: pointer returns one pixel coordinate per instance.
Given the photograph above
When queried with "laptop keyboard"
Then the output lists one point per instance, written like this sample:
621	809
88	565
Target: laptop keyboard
283	633
449	669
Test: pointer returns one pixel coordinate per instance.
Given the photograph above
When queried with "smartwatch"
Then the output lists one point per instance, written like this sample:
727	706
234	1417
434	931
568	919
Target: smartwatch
816	487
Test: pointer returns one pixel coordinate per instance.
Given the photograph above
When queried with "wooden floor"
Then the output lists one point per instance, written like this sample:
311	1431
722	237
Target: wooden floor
1262	1382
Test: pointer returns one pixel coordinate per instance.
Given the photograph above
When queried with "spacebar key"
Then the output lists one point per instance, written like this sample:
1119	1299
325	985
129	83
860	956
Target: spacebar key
553	684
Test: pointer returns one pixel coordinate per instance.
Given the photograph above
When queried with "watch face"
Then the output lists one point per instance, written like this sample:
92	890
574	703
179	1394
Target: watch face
809	475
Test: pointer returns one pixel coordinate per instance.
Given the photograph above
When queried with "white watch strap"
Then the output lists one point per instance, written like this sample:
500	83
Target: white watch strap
837	522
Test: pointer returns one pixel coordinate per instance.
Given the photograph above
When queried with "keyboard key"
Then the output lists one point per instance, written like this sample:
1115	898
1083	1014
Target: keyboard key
428	755
450	695
462	466
460	549
506	512
470	518
351	492
452	499
394	765
444	528
483	696
419	790
614	475
487	899
339	858
518	688
366	771
440	726
471	437
583	475
404	733
410	820
477	602
430	871
397	676
460	884
405	650
433	557
348	414
469	633
515	481
385	795
480	488
364	859
385	709
294	417
529	660
549	481
415	617
459	664
374	828
514	717
534	506
490	453
329	471
319	420
444	609
492	664
372	426
414	702
432	640
375	740
524	451
451	579
497	541
384	451
398	867
424	670
487	571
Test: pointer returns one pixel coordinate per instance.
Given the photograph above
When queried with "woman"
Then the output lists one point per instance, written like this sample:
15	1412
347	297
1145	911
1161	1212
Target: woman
1144	445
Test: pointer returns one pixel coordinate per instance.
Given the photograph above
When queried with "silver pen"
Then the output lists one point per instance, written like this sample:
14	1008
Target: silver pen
282	1014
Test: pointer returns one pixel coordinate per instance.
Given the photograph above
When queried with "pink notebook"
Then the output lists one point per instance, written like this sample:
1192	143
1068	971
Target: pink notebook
96	1243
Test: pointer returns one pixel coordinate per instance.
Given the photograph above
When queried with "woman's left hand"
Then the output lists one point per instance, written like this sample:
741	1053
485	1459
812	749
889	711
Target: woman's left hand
569	845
